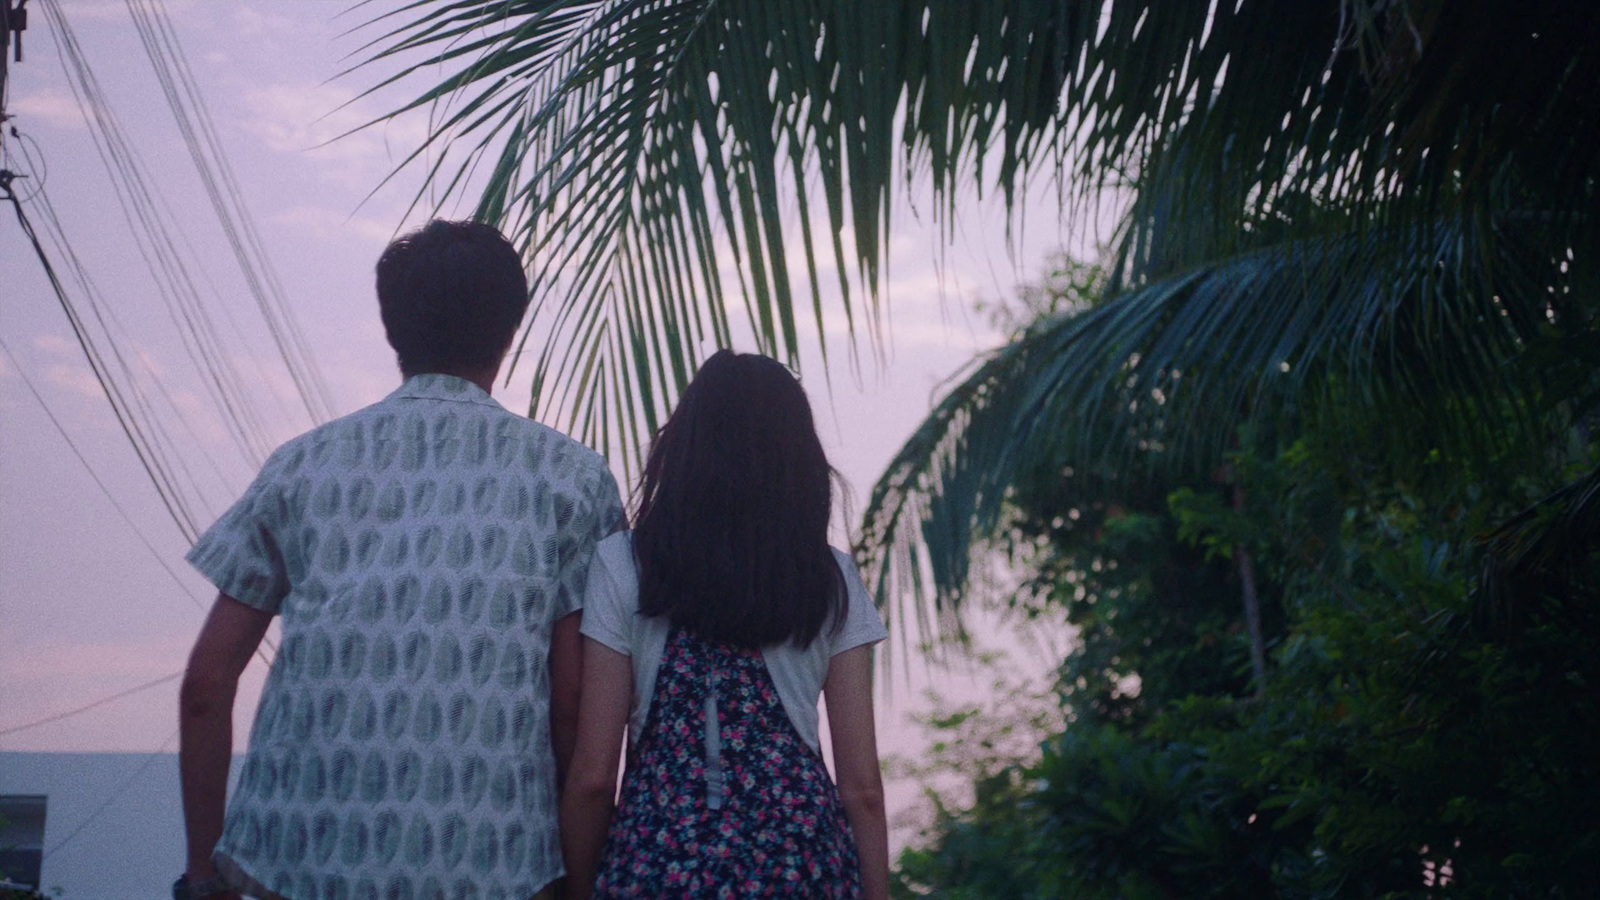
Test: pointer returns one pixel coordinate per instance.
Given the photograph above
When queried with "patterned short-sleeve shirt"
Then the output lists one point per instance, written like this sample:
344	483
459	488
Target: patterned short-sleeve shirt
419	551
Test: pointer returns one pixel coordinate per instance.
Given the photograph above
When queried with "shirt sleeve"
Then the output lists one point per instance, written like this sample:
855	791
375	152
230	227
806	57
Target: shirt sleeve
862	624
603	506
242	554
606	614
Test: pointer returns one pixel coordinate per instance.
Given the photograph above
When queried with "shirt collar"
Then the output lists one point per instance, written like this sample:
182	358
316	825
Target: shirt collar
437	386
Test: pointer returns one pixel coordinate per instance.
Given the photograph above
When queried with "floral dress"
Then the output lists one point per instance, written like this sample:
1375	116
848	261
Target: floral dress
740	809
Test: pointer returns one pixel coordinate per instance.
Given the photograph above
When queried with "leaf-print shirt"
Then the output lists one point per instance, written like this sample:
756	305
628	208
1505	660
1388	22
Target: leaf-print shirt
419	551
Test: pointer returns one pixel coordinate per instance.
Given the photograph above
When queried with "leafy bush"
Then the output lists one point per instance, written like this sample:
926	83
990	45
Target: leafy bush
1407	742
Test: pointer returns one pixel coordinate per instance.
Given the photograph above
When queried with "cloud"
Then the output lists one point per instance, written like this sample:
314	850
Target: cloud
53	344
51	106
322	222
321	122
251	22
75	379
65	367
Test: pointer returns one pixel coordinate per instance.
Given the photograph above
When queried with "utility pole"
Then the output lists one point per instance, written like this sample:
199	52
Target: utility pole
13	21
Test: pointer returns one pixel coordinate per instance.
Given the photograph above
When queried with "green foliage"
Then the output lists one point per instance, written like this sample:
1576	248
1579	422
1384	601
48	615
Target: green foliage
1335	371
1362	229
659	158
1152	612
1406	746
987	757
1296	239
1412	328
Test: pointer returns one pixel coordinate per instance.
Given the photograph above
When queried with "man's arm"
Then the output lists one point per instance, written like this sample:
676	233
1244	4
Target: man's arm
566	677
205	721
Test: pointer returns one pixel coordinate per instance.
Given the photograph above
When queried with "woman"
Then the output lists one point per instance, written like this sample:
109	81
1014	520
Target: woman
709	632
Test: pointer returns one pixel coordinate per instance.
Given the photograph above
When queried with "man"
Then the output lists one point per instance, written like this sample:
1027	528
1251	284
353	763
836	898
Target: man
428	555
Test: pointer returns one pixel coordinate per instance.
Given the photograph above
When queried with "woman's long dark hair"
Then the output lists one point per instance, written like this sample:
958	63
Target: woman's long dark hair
731	535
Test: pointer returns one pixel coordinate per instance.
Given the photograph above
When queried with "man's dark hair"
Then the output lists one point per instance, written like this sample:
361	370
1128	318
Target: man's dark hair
451	295
731	536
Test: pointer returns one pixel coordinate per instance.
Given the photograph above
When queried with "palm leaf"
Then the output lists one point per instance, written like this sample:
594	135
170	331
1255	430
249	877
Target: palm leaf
639	149
1419	319
1542	558
1344	186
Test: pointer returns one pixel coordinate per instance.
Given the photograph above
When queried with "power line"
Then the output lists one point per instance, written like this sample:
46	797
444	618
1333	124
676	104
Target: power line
138	532
88	706
50	225
72	445
195	125
114	795
152	230
129	429
6	179
143	208
131	408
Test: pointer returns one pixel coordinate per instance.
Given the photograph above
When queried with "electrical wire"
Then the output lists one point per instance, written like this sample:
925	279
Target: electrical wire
195	124
139	533
143	208
118	336
36	172
55	282
114	795
130	429
72	445
139	203
148	217
48	720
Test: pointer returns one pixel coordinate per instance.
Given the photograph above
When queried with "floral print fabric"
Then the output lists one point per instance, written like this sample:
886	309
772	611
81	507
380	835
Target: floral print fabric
756	816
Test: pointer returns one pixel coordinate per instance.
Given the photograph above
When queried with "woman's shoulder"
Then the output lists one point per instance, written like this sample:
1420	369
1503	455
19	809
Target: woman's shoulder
862	623
853	584
614	555
613	563
612	595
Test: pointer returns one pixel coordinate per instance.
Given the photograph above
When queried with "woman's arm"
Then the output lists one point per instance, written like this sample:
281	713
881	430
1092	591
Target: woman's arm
848	690
589	800
205	722
566	680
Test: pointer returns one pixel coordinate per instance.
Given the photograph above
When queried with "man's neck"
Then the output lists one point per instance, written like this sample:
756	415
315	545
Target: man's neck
483	378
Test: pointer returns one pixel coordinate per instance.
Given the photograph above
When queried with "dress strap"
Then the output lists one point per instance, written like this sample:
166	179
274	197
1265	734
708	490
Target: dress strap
715	779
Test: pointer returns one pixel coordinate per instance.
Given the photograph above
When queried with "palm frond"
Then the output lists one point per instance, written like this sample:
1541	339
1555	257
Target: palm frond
1546	552
1361	195
657	157
1420	318
653	157
1383	113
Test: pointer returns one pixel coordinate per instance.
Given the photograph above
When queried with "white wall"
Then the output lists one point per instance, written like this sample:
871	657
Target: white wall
113	824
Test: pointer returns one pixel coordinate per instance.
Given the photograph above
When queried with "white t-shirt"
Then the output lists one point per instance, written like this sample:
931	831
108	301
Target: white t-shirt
611	616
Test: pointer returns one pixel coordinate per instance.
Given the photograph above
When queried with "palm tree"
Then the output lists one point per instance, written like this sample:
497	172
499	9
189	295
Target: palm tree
1392	199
